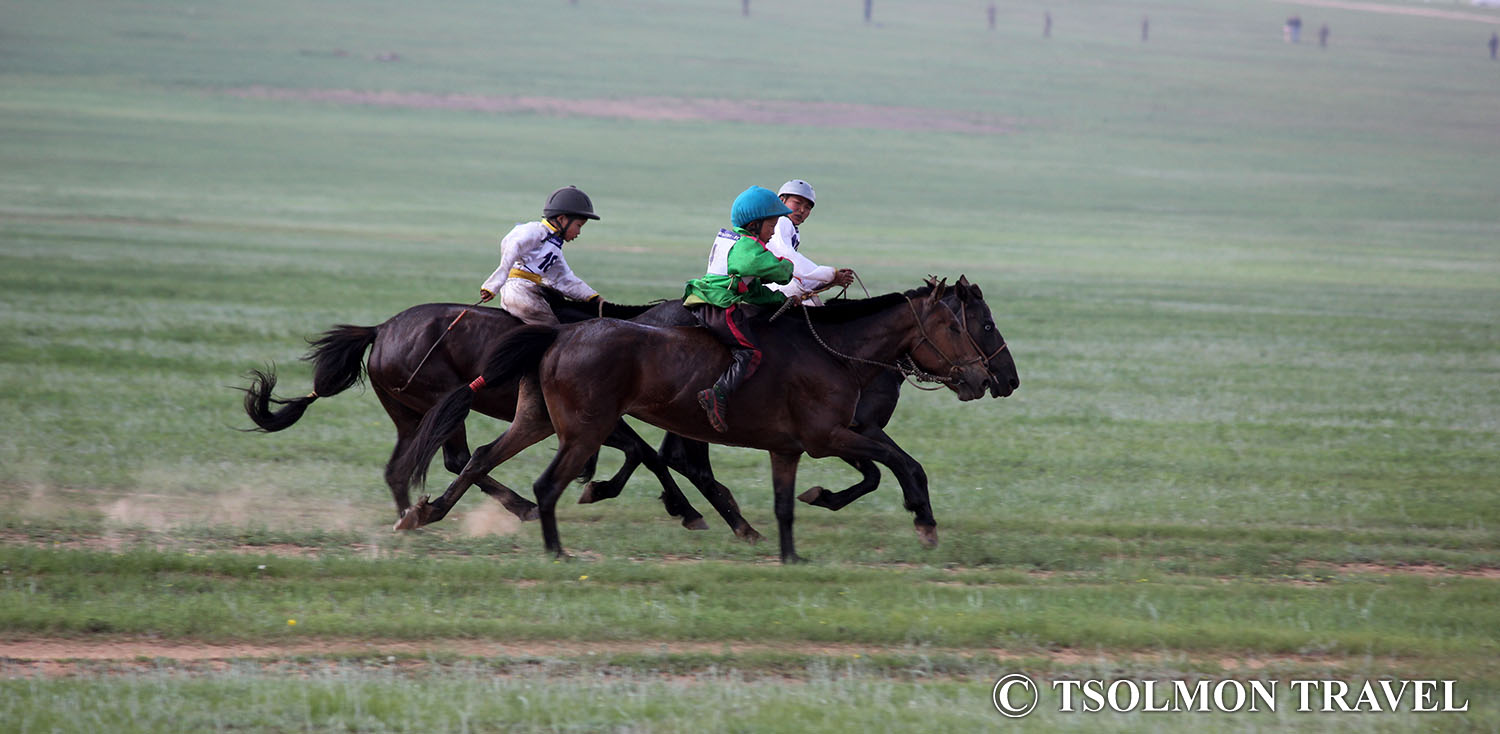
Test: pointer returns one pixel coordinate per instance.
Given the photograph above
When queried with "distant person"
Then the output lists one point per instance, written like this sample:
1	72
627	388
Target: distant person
1047	24
531	257
867	10
1145	28
1292	32
991	13
724	304
1323	36
1494	42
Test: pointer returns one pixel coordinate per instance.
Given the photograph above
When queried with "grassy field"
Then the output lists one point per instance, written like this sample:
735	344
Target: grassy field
1251	290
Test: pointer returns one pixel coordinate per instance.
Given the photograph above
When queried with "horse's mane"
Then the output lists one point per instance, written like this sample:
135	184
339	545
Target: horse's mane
570	310
845	310
837	311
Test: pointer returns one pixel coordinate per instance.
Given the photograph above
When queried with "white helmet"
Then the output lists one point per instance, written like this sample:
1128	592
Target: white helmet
799	187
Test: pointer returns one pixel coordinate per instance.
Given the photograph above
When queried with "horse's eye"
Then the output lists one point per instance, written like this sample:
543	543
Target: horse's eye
989	327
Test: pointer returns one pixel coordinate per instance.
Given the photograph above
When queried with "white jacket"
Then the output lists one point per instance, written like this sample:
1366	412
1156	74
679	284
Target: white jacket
533	251
807	276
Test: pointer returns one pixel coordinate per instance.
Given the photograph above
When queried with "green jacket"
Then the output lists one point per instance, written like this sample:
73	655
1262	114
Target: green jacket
750	266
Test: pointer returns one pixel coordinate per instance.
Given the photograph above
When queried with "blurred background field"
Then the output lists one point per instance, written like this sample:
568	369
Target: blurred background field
1250	287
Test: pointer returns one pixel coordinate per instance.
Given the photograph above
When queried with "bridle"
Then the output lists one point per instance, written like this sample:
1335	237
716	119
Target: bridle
963	319
953	366
907	365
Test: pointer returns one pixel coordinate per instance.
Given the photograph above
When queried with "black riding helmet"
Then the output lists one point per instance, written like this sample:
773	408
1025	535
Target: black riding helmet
569	200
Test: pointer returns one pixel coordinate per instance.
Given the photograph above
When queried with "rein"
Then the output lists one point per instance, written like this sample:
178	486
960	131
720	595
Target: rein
906	365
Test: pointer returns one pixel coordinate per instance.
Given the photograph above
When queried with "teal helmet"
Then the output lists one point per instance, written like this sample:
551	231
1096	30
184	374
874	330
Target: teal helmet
756	202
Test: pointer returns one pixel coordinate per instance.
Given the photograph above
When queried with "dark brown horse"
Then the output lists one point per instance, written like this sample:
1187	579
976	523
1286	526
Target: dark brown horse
578	380
877	403
454	341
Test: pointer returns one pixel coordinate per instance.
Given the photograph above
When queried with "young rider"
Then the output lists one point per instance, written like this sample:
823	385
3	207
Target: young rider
531	256
807	276
724	302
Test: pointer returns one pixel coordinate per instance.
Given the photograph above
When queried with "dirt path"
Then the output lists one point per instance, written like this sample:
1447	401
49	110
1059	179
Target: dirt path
663	109
1398	10
62	657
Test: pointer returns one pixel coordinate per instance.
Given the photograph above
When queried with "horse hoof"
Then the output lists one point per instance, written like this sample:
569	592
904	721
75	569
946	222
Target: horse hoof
811	496
588	495
792	560
696	523
749	535
413	517
927	536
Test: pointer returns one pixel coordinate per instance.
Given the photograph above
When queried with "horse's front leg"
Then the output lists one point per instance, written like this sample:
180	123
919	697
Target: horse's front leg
595	491
849	445
784	485
869	482
877	403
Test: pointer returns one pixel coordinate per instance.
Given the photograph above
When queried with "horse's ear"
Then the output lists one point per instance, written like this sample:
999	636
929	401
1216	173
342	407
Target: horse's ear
966	290
938	288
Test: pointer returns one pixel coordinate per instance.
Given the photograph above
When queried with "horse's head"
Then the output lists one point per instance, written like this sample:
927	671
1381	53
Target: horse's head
974	315
943	349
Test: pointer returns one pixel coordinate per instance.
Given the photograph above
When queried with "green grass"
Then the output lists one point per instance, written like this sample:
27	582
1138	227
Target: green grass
1250	288
217	597
371	698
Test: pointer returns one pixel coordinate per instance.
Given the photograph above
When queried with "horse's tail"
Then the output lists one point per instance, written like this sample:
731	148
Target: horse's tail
338	364
517	354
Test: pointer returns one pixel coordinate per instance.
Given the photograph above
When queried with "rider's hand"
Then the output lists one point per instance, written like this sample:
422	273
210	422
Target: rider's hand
485	296
843	277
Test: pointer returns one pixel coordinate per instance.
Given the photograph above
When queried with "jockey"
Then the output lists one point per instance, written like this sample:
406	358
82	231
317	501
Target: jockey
724	302
807	276
532	256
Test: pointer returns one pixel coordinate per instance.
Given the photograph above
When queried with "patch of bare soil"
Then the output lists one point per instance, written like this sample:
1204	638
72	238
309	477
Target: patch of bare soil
1398	10
664	109
63	657
1428	570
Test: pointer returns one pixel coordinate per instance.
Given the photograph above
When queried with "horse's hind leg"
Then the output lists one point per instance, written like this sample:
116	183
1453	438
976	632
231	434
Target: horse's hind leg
530	426
690	459
406	421
456	457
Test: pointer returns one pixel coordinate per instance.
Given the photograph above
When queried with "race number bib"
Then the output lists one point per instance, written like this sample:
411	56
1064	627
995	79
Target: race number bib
718	256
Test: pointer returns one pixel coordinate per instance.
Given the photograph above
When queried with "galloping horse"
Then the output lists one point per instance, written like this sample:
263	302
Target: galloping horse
877	403
420	354
579	379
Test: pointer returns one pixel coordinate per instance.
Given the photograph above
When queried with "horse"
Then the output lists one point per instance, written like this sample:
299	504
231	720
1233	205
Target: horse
877	404
577	380
417	356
